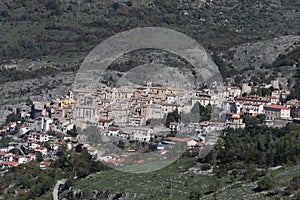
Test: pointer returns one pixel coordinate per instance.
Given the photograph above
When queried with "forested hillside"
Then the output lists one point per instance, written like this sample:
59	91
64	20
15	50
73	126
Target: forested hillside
30	29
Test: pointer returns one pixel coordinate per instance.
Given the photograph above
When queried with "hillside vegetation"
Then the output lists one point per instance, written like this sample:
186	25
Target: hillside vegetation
31	29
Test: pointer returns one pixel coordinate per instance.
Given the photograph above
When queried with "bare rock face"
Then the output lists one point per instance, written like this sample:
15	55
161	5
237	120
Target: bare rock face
104	194
160	75
94	71
254	55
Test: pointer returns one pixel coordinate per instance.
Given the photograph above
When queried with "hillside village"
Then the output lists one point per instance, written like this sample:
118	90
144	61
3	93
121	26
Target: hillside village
136	119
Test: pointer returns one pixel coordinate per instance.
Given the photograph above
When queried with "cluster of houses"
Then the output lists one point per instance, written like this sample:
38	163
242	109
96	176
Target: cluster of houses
124	113
32	147
134	106
11	160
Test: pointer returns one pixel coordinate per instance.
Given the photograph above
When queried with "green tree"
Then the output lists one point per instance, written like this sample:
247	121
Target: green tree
39	156
225	70
172	117
29	102
195	195
261	118
214	187
121	144
73	132
267	183
12	118
250	121
52	4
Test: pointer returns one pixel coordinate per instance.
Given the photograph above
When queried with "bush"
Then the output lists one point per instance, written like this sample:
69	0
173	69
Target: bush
267	183
205	167
52	5
12	118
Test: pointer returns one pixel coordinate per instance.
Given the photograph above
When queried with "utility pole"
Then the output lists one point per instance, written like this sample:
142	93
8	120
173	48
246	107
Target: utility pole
78	10
171	189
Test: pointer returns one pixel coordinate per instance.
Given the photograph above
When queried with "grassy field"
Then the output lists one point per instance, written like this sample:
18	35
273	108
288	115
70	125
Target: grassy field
171	183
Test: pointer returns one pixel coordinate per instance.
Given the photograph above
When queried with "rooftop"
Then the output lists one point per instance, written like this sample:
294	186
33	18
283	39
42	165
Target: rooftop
279	107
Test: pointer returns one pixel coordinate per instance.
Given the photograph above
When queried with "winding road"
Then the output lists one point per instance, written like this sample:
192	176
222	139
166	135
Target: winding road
56	188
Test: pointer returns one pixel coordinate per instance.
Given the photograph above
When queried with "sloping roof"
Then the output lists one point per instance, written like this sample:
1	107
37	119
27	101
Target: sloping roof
105	120
178	139
10	163
235	116
113	129
45	163
279	107
2	153
112	161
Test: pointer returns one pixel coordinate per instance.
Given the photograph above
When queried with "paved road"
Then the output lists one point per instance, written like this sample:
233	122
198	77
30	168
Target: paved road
56	188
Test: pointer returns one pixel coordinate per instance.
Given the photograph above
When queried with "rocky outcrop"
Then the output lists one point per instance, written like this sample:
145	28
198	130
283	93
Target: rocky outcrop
100	194
254	55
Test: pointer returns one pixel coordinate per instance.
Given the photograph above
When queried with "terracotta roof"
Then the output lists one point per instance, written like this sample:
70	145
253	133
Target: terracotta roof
112	161
45	163
113	129
178	139
10	163
235	116
105	120
92	149
17	157
228	113
279	107
61	143
2	153
215	123
115	155
163	151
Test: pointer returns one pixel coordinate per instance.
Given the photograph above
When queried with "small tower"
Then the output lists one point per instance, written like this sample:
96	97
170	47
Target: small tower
149	85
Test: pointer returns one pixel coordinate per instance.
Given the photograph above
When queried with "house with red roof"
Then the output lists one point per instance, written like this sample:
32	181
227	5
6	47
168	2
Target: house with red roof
30	157
42	150
44	165
20	159
113	131
276	112
8	164
8	157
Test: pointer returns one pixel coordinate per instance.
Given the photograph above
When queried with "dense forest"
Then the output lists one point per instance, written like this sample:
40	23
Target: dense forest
241	151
